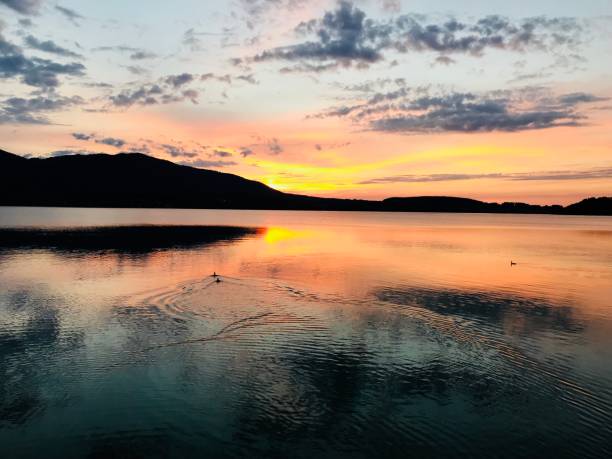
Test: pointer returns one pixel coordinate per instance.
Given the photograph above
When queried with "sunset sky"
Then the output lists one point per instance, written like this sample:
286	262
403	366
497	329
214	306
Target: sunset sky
494	100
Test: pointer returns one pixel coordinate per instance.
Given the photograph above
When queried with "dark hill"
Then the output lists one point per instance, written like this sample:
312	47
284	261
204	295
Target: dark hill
452	204
123	180
137	180
591	206
441	203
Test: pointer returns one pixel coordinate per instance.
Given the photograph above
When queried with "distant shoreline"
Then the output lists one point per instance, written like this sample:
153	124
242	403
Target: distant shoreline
561	214
138	181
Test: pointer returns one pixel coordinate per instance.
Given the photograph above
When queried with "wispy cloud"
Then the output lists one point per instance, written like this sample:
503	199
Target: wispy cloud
48	46
586	174
69	14
135	54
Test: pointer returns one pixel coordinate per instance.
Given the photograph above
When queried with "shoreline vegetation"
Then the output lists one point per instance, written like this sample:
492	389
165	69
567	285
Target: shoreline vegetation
124	239
135	180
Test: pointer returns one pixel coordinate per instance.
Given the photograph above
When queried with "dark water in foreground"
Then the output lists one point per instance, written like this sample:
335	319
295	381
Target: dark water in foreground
330	335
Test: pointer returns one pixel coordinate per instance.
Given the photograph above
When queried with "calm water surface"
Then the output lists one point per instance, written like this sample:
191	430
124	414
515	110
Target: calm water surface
329	335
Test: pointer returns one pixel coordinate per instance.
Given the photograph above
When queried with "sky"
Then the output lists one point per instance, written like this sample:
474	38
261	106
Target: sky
493	100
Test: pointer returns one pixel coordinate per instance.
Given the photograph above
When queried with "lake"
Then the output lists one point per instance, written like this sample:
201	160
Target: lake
328	335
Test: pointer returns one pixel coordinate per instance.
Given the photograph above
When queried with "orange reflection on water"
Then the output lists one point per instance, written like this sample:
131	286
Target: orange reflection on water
353	254
278	234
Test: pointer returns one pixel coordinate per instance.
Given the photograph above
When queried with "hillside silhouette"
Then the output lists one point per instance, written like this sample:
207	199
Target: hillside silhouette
138	180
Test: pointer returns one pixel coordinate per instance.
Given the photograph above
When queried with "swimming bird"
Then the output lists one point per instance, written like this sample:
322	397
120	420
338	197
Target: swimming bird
214	274
512	263
217	280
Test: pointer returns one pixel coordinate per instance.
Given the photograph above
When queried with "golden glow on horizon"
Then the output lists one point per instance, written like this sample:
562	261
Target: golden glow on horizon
304	178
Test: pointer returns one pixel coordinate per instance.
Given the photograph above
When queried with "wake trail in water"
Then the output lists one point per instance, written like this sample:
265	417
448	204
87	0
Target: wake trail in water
224	333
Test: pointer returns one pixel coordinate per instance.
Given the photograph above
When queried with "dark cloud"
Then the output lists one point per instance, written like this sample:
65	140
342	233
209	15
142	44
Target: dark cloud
152	95
471	113
588	174
166	90
248	78
111	141
23	6
190	94
222	153
98	85
142	96
136	70
177	151
444	60
211	76
179	80
342	35
580	97
244	152
145	95
345	36
141	55
490	32
275	147
305	67
42	73
406	110
69	14
26	22
18	110
201	163
81	136
49	46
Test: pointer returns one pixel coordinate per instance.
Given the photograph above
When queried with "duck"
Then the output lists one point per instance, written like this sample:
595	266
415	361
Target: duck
512	263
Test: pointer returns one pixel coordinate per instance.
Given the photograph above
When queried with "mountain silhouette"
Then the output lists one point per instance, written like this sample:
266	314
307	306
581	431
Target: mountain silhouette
138	180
